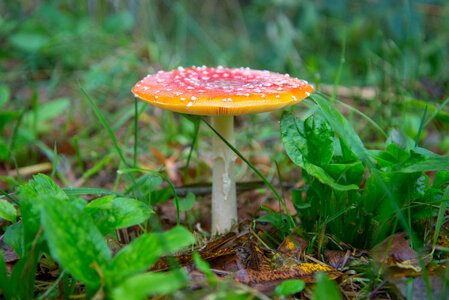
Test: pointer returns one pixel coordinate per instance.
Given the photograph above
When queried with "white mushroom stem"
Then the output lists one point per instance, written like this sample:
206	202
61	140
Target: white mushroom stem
224	204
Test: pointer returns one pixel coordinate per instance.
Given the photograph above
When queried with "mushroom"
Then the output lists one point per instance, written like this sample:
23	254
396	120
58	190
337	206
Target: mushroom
221	93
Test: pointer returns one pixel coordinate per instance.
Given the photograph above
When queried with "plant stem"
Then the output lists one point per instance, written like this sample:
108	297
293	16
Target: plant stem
224	206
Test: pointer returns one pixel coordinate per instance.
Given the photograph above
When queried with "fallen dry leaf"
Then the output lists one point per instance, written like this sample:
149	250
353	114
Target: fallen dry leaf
396	251
303	271
337	258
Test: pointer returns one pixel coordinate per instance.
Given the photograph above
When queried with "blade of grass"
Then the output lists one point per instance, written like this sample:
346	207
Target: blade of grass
440	217
96	168
55	161
421	125
340	67
440	108
136	132
105	125
12	142
196	122
79	161
371	121
9	197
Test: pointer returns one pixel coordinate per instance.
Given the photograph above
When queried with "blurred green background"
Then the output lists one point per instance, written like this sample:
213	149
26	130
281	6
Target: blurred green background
396	50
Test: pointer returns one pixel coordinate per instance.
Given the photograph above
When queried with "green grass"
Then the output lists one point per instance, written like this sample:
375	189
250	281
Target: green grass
66	70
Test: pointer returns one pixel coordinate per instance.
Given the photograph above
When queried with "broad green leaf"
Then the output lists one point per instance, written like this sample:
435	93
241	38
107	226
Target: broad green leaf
343	128
279	220
289	287
309	141
29	42
4	153
295	135
13	237
31	196
319	139
7	211
144	251
441	179
349	173
187	203
74	240
7	117
145	186
142	286
325	288
4	95
325	178
111	212
392	155
421	162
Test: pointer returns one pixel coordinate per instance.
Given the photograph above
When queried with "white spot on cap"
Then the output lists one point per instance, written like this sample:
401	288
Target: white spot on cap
193	98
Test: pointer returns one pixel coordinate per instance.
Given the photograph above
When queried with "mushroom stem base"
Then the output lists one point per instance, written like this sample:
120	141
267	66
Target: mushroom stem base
224	206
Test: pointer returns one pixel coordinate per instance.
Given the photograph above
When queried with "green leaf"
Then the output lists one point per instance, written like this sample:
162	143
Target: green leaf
144	188
349	173
74	240
289	287
142	286
325	288
325	178
144	251
279	220
4	279
187	203
309	141
13	237
31	196
29	42
319	139
204	267
295	136
6	117
111	213
420	163
342	127
441	179
4	94
7	211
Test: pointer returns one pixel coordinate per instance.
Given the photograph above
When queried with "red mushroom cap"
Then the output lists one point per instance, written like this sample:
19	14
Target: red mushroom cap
221	91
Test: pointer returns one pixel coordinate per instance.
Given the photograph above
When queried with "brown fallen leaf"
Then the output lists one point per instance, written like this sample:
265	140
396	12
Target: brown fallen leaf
303	271
395	251
293	246
337	258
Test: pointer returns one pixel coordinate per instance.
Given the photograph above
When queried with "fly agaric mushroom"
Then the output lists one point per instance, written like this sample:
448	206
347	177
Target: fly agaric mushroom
221	93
